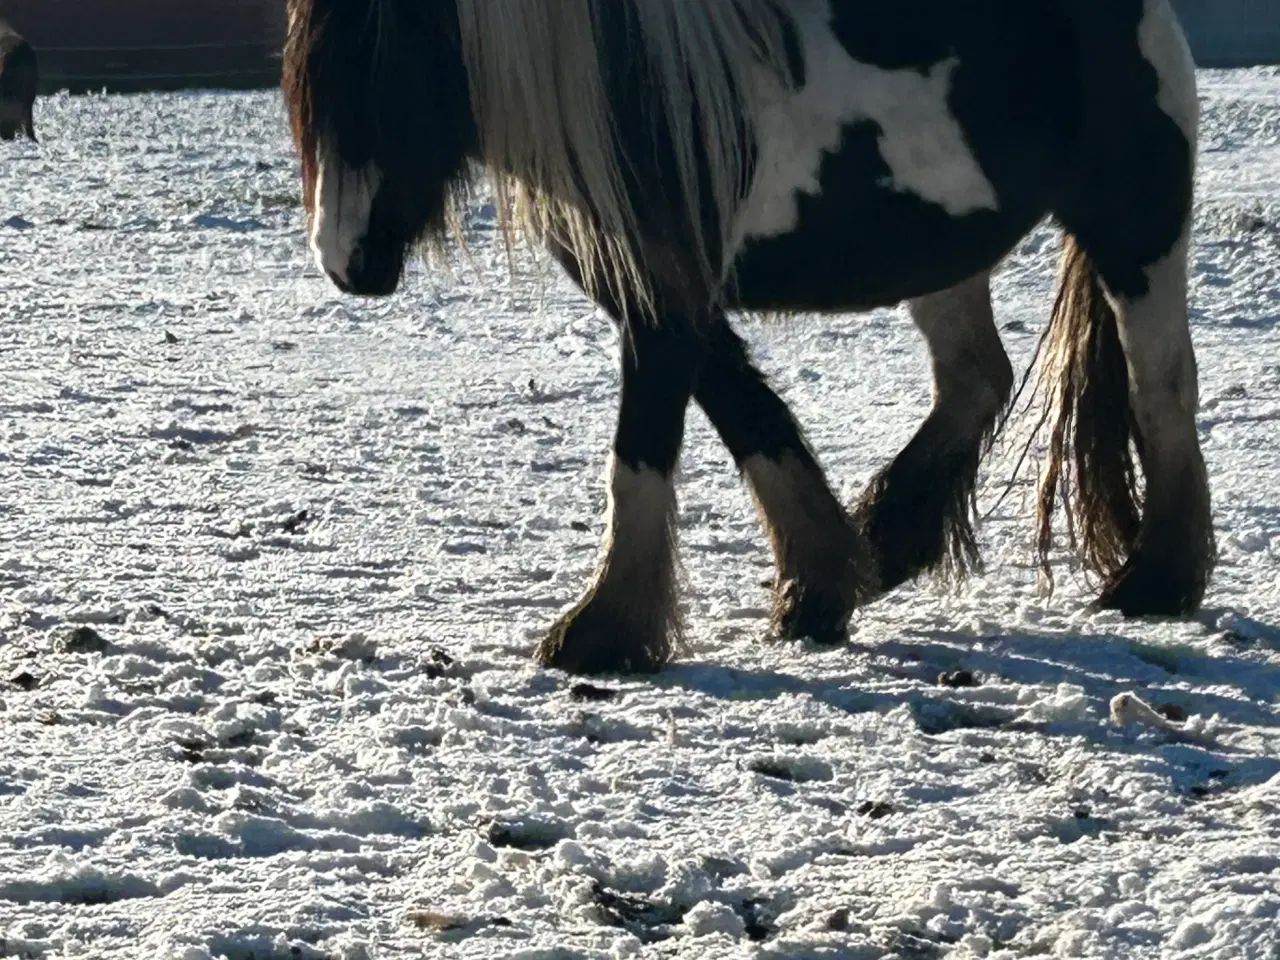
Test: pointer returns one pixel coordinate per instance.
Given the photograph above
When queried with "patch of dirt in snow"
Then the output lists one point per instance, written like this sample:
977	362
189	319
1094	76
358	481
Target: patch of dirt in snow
272	561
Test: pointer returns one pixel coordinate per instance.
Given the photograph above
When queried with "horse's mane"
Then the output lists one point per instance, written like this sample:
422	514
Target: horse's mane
538	90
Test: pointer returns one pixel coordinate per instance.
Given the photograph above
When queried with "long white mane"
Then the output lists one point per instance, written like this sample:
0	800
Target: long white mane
538	92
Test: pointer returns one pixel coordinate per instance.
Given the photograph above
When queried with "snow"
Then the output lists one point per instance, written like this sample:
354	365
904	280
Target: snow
272	561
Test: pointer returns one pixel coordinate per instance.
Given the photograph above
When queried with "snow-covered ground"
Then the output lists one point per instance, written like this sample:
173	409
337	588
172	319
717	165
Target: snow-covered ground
272	560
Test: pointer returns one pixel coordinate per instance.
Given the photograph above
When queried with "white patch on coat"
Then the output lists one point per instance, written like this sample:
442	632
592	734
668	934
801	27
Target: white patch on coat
641	511
920	140
812	538
1164	45
638	579
341	211
1156	338
972	376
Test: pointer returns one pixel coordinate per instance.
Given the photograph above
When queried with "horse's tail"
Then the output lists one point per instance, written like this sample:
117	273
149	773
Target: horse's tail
1087	399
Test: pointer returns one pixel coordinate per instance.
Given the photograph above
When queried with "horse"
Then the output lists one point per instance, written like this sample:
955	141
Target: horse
684	160
19	76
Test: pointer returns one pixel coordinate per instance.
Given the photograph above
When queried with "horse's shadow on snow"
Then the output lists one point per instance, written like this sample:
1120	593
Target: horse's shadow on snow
907	672
1102	664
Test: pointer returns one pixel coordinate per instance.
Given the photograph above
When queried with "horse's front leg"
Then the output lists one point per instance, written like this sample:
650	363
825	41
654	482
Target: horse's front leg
824	570
628	620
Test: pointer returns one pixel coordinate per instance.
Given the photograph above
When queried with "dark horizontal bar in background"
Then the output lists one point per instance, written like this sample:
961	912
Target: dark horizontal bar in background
134	45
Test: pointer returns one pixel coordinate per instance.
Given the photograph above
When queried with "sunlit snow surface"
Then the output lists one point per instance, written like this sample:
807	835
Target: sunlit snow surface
314	538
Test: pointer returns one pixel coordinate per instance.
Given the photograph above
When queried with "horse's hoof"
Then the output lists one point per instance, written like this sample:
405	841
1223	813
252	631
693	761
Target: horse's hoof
590	642
809	614
1152	590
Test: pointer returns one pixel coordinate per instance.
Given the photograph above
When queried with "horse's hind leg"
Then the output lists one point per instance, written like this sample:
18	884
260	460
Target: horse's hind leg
822	573
1123	357
1169	567
1123	373
918	512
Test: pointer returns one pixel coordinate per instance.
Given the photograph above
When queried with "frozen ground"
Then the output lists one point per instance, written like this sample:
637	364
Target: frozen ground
271	561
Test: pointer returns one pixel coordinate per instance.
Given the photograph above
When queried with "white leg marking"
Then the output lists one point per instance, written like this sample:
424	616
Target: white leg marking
1176	548
791	499
1153	329
343	203
1159	354
639	572
808	529
642	506
921	141
1164	44
971	371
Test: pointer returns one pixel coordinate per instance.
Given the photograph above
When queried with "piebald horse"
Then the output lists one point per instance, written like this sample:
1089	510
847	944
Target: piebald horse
684	159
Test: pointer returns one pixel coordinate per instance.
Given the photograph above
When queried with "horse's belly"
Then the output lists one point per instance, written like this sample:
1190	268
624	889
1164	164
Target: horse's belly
848	258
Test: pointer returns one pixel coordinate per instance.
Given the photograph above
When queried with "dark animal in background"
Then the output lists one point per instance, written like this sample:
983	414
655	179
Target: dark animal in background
19	75
683	159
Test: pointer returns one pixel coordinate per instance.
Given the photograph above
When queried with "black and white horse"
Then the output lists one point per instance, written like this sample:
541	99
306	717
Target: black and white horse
687	158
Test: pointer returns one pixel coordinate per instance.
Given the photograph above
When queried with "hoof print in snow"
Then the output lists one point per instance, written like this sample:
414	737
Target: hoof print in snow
875	809
526	834
918	946
1252	222
1031	773
434	921
24	680
1077	826
445	923
354	646
86	887
1214	785
245	738
940	716
649	922
721	868
84	639
439	664
295	522
957	678
793	769
737	920
589	692
755	923
191	750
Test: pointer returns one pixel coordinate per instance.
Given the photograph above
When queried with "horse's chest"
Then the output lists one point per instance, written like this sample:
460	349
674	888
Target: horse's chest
922	146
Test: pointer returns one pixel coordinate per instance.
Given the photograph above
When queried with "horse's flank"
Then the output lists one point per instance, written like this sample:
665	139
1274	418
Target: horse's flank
539	90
